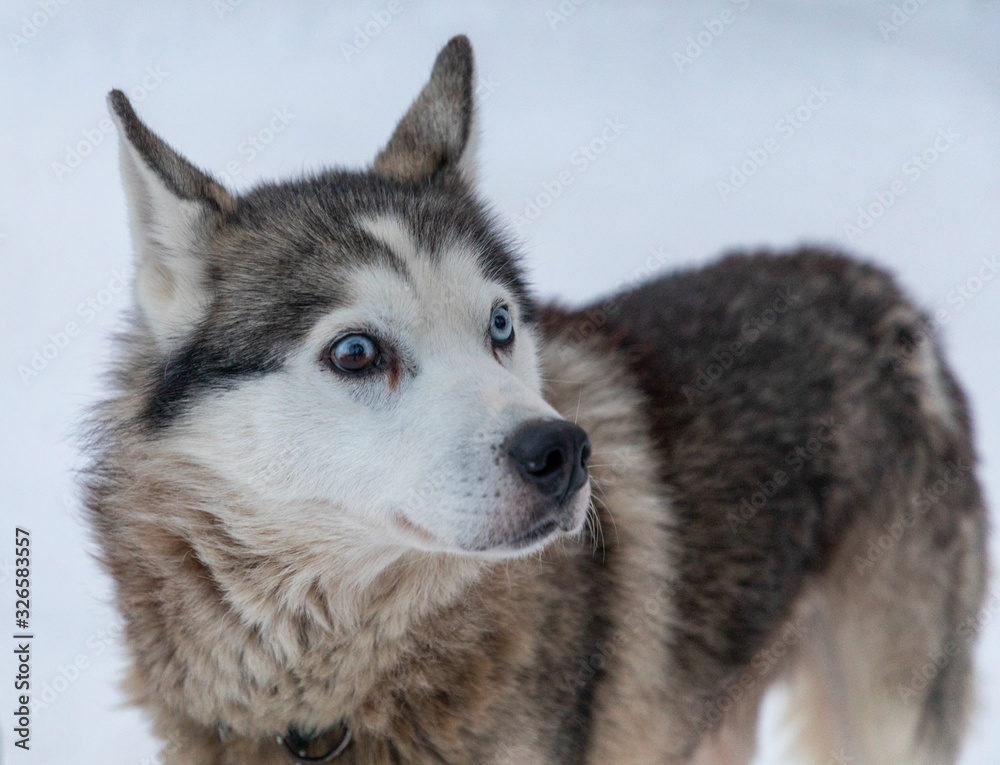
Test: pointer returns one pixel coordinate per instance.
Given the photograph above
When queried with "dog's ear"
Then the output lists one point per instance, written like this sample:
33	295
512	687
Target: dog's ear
438	132
173	207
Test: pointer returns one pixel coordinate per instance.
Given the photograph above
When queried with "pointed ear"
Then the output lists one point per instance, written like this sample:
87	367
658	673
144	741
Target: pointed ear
438	131
173	208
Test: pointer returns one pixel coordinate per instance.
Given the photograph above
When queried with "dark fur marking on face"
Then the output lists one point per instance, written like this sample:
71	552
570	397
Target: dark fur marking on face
199	368
219	356
285	256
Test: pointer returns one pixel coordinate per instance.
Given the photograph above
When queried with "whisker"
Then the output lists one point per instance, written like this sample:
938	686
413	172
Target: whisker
596	481
599	498
613	523
599	535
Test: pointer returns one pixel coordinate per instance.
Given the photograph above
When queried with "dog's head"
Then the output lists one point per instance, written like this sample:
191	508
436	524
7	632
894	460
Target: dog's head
354	351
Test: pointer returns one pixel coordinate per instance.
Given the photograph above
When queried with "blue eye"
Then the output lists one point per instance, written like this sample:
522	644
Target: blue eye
354	353
501	326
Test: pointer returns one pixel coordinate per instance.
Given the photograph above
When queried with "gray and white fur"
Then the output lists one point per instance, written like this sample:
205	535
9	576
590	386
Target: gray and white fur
342	509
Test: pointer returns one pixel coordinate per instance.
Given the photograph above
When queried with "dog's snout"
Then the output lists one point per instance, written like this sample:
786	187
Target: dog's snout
551	455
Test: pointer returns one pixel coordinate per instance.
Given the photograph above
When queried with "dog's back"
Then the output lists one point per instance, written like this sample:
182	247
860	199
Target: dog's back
824	507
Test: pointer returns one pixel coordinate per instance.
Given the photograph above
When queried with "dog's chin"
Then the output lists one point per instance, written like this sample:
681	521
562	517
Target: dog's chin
510	540
566	519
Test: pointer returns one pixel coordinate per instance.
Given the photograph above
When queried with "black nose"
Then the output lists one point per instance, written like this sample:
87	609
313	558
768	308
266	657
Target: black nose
551	455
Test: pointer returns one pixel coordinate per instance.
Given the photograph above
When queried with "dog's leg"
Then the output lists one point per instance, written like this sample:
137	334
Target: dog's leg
885	675
734	742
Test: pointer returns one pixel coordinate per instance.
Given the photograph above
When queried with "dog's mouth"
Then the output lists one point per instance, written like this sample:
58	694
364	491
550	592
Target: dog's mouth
566	518
415	532
518	539
535	533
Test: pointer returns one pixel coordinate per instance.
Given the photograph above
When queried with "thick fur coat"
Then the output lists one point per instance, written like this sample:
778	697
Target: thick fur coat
781	485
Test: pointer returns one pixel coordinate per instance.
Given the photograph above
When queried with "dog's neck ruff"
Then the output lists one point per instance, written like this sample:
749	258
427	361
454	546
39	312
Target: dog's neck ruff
325	746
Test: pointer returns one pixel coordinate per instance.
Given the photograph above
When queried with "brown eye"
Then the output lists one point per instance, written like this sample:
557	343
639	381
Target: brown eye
354	353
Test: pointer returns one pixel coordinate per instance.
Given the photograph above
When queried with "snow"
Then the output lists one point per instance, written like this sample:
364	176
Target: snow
210	75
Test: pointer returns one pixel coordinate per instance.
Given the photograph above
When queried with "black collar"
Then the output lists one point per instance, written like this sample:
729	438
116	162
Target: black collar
318	747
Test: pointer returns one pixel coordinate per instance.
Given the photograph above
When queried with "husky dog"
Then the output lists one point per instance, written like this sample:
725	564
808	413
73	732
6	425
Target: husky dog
364	500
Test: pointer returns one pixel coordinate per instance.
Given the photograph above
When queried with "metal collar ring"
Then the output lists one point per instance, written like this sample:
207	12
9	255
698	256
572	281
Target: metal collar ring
298	747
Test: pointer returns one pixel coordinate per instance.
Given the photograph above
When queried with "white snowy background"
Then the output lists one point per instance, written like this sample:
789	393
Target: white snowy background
209	76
